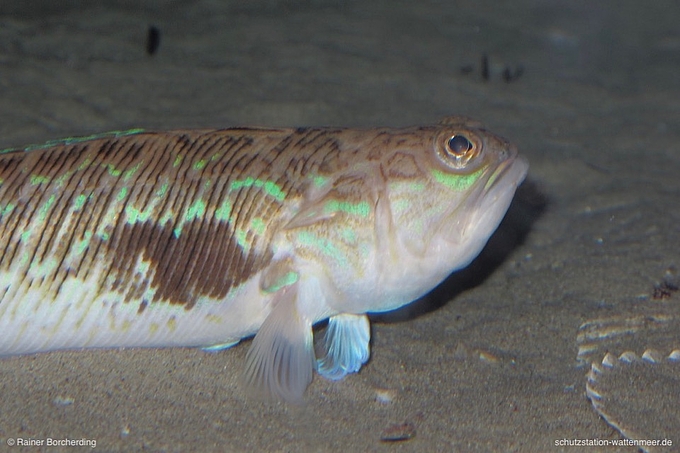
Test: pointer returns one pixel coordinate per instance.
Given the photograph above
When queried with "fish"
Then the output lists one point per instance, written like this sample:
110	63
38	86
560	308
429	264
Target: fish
202	238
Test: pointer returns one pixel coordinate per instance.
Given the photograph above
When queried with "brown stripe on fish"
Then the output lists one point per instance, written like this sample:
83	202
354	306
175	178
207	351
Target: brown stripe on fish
181	251
162	197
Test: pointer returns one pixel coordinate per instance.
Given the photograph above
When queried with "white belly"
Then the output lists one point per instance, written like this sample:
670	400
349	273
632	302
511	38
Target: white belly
82	316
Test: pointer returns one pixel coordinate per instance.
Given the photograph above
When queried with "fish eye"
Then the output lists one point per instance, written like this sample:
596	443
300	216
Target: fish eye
458	149
458	145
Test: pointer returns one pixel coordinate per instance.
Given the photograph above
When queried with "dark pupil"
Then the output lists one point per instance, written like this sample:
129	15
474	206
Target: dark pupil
459	144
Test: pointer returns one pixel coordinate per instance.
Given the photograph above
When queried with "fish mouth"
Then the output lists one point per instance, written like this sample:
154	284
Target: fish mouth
513	170
497	182
495	192
484	207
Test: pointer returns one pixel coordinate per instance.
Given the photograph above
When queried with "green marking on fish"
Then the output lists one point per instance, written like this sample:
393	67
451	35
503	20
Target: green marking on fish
35	180
163	190
135	215
7	209
319	181
416	186
200	164
258	225
42	213
60	180
112	170
323	244
196	210
81	246
361	209
107	223
131	171
269	187
242	240
79	202
178	160
283	281
25	236
143	267
458	183
349	235
166	217
418	226
122	194
85	164
224	211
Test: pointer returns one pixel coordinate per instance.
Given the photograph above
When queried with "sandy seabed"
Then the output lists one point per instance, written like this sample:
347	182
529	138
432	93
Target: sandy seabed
589	93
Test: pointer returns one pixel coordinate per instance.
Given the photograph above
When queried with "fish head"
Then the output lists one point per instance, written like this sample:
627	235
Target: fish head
448	195
399	210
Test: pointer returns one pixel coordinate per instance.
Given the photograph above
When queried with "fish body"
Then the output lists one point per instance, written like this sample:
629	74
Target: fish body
204	237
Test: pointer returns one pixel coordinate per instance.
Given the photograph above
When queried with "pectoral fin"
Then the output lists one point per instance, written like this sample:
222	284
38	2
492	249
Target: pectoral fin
347	346
280	361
